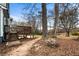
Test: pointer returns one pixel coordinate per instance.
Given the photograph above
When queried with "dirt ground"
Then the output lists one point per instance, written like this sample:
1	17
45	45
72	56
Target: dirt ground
65	48
37	47
17	48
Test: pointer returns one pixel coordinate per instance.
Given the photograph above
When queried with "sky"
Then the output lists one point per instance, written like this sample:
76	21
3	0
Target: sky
16	10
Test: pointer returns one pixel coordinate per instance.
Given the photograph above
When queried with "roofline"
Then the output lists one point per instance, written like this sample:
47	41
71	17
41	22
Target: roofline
3	7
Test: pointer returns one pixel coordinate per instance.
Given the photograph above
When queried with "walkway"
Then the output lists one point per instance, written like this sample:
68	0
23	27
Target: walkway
23	49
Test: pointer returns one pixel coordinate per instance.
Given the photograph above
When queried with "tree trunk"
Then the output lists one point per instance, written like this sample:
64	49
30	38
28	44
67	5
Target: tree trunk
68	33
44	20
56	18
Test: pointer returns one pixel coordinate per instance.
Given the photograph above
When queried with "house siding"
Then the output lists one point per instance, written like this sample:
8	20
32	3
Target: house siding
1	24
0	21
3	20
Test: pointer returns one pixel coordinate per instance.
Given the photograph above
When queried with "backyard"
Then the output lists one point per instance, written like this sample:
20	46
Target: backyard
38	46
39	29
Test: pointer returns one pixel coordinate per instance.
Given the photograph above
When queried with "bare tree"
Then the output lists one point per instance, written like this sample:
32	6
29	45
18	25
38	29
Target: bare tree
44	20
30	16
56	17
69	17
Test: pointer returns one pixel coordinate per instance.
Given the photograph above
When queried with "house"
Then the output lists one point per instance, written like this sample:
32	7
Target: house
4	18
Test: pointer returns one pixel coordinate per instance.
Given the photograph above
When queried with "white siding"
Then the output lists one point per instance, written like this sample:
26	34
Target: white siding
1	22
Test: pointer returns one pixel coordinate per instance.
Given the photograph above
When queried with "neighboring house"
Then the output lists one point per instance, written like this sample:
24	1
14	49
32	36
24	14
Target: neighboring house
4	18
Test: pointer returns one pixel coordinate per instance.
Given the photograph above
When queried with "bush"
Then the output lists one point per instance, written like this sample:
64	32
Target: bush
53	36
75	33
52	43
37	32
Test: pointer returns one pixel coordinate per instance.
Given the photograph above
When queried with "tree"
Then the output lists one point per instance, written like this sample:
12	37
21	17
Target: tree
34	14
30	16
44	20
69	17
56	17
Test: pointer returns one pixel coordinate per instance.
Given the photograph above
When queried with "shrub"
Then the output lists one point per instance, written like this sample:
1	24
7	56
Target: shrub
52	43
75	33
53	36
37	32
